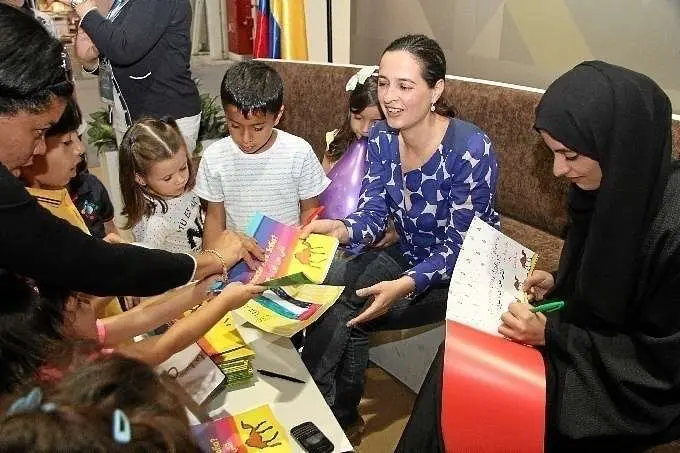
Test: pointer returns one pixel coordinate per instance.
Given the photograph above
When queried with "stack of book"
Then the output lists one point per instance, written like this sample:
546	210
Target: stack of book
225	346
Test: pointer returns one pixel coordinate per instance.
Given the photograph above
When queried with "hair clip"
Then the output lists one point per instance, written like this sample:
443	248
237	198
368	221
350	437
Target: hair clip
28	403
122	433
360	77
31	402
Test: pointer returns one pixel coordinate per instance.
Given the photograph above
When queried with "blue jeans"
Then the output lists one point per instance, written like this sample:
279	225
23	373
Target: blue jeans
337	356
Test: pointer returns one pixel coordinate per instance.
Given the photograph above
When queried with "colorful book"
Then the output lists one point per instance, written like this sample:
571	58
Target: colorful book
251	431
226	347
287	310
286	255
486	376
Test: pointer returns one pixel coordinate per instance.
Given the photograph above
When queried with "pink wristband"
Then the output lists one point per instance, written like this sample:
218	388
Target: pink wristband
101	331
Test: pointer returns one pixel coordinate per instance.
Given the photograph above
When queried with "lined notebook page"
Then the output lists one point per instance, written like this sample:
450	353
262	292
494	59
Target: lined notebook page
486	278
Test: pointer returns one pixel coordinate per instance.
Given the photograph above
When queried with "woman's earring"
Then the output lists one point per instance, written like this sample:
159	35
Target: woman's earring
432	108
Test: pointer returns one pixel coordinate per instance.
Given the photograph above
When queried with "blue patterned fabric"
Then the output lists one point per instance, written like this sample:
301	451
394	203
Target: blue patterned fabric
446	193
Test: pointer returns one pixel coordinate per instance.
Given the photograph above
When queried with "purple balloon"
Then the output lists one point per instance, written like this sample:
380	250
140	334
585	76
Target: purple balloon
341	197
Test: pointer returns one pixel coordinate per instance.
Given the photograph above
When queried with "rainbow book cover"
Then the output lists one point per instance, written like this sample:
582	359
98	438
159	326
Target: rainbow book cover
288	259
251	431
287	310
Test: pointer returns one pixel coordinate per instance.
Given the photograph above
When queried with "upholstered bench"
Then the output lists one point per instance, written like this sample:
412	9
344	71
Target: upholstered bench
532	202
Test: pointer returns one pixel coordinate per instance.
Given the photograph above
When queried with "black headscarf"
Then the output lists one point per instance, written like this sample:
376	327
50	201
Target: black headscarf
622	119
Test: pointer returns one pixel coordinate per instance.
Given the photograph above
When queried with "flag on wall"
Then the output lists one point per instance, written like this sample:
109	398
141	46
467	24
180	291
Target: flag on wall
280	30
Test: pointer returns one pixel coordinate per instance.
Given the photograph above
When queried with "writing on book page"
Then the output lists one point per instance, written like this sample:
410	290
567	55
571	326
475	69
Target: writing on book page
487	276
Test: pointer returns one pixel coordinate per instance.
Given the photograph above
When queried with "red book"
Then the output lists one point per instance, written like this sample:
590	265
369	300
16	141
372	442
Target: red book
493	394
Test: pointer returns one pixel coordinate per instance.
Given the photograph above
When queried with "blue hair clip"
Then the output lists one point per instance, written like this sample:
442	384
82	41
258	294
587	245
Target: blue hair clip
27	403
122	432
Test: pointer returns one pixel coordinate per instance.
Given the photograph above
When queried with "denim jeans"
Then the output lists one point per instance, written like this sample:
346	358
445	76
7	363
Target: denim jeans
337	356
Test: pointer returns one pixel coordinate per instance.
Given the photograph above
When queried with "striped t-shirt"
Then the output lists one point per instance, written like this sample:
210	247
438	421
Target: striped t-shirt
272	182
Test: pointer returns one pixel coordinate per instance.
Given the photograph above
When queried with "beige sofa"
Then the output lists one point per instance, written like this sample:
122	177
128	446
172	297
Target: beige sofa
531	201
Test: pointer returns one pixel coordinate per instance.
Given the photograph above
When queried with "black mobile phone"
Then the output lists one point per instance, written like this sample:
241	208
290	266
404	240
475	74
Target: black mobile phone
311	439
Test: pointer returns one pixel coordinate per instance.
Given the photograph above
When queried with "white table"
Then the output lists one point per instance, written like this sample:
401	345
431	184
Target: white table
292	403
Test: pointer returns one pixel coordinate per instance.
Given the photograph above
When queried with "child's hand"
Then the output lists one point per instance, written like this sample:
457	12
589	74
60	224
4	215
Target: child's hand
239	294
113	238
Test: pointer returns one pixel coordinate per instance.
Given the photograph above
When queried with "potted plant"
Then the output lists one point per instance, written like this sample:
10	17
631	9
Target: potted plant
101	135
100	132
212	126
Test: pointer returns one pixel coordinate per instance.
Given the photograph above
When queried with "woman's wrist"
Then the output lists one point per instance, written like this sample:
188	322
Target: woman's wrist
207	265
90	66
83	8
407	286
343	232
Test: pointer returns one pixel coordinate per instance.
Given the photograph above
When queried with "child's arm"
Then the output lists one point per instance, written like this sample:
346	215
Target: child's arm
215	223
155	311
189	329
111	228
306	208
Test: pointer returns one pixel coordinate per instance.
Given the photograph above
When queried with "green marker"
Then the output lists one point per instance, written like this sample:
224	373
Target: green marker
548	307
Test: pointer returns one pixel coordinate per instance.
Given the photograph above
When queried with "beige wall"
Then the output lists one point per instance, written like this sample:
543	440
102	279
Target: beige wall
529	42
315	19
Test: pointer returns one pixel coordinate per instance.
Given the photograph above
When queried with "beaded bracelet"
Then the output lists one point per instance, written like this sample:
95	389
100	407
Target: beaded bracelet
219	257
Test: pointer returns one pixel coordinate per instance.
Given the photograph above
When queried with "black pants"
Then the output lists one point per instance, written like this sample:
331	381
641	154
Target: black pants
337	356
423	432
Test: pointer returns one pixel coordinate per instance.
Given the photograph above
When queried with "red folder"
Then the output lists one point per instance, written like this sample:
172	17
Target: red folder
493	394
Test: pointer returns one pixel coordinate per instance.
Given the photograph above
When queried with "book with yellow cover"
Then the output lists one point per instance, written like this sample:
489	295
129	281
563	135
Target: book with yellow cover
226	347
286	255
287	310
251	431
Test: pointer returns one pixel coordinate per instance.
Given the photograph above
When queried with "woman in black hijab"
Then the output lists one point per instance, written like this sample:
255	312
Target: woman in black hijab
613	354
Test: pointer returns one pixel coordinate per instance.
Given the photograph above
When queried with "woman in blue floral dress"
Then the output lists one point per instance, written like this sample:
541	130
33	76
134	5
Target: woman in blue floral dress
433	174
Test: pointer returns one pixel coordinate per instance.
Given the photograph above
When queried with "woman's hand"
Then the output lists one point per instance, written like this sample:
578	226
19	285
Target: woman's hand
538	284
235	247
523	326
80	9
86	51
334	228
384	295
391	236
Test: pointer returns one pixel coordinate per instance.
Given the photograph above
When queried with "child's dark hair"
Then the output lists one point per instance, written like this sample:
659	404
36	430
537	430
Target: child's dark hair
432	65
31	328
362	96
147	141
70	120
252	86
77	414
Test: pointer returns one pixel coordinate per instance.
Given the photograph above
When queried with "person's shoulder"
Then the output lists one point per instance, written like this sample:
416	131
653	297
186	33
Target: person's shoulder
90	182
462	135
288	140
219	150
12	191
381	128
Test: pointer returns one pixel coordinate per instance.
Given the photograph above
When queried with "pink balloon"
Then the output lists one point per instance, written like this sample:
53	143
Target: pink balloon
341	197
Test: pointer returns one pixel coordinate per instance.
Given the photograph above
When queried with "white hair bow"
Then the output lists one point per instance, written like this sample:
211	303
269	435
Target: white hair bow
360	77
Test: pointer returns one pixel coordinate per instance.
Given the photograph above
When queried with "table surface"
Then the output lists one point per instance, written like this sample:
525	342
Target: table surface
292	403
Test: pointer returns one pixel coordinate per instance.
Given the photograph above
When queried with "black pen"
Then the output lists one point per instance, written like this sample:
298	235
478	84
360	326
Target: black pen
280	376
